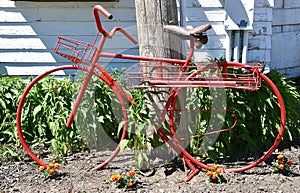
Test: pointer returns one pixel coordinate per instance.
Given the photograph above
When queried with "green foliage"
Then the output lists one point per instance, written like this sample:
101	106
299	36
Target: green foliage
258	116
9	96
44	115
49	103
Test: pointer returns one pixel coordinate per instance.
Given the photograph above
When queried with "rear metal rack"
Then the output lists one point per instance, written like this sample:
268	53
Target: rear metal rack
164	75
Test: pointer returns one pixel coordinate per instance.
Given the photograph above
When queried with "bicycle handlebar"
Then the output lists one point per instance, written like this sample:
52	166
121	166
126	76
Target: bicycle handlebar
97	9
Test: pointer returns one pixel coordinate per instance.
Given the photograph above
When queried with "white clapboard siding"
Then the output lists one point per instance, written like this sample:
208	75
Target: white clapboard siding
83	15
9	16
16	30
21	43
286	37
286	16
205	3
22	70
26	57
29	32
201	12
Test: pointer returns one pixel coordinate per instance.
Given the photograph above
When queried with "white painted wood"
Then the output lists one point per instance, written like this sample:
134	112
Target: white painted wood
217	27
8	16
259	42
291	4
30	70
263	14
24	57
260	55
16	30
76	14
264	3
238	11
7	3
74	5
21	43
75	28
291	28
205	14
285	51
205	3
278	4
286	16
28	31
207	55
290	72
262	28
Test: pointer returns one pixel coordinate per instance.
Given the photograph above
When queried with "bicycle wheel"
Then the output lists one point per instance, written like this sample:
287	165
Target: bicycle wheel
204	144
100	122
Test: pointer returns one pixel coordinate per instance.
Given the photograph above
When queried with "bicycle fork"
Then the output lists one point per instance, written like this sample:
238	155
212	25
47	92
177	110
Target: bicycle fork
86	81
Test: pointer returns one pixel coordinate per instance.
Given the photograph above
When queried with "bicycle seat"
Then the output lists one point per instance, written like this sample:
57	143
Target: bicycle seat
185	33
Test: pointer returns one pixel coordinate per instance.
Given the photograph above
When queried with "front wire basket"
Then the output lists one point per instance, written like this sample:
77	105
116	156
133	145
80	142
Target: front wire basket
76	51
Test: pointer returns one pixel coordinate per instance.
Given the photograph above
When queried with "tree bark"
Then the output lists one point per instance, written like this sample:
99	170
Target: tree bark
152	15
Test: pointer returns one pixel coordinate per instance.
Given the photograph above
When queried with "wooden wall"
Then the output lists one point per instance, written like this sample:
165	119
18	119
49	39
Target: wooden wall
28	32
286	37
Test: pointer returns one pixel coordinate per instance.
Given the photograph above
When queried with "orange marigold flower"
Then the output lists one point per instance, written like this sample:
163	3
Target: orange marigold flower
118	177
51	165
289	162
113	177
214	166
281	166
129	184
56	165
214	176
280	162
131	173
42	168
51	171
218	171
208	173
280	156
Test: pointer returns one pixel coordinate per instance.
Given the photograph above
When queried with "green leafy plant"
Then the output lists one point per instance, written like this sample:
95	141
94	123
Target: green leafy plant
9	97
258	118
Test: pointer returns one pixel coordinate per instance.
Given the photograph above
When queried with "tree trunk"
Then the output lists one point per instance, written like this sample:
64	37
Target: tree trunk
151	16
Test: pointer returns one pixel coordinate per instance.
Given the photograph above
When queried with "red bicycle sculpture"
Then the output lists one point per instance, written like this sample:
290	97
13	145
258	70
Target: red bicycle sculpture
152	72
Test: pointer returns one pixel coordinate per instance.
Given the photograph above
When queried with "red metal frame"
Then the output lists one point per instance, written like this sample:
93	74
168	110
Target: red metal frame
88	55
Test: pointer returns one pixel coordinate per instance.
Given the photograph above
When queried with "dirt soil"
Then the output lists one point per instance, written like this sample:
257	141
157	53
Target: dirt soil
75	176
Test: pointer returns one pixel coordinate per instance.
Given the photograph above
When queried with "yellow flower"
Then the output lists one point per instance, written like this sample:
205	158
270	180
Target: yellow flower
214	166
51	165
131	173
113	177
208	173
42	168
56	165
280	157
118	177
